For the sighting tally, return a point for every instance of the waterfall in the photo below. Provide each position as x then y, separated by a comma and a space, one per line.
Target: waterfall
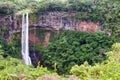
25, 40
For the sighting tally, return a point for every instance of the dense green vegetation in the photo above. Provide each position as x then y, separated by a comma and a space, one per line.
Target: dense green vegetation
72, 48
14, 69
12, 49
107, 70
85, 55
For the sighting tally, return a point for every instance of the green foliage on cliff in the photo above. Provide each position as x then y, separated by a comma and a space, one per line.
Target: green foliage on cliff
107, 70
72, 5
72, 48
11, 48
6, 8
106, 12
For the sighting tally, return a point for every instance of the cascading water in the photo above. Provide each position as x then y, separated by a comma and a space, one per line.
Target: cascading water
25, 40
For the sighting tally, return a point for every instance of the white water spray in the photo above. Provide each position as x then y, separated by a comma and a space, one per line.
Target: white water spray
25, 40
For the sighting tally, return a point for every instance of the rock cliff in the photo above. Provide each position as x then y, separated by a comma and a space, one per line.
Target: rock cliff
47, 20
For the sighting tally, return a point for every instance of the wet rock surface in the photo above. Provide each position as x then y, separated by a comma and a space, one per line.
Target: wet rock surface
35, 58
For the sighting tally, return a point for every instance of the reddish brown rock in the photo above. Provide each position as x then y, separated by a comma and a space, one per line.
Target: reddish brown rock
33, 39
87, 26
47, 38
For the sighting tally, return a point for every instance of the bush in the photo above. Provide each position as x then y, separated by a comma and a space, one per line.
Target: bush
7, 8
12, 49
108, 70
72, 48
14, 69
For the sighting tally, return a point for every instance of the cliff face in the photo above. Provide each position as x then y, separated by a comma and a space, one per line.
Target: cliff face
52, 20
56, 20
65, 20
34, 39
10, 21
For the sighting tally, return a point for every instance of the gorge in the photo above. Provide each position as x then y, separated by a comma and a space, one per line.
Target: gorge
50, 22
59, 40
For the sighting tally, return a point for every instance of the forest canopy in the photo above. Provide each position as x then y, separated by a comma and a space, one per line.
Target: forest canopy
62, 5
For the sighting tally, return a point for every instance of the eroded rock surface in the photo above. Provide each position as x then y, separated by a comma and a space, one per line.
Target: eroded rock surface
49, 21
55, 20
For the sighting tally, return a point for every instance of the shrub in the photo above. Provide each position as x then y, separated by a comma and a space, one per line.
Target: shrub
72, 48
14, 69
13, 48
7, 8
108, 70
